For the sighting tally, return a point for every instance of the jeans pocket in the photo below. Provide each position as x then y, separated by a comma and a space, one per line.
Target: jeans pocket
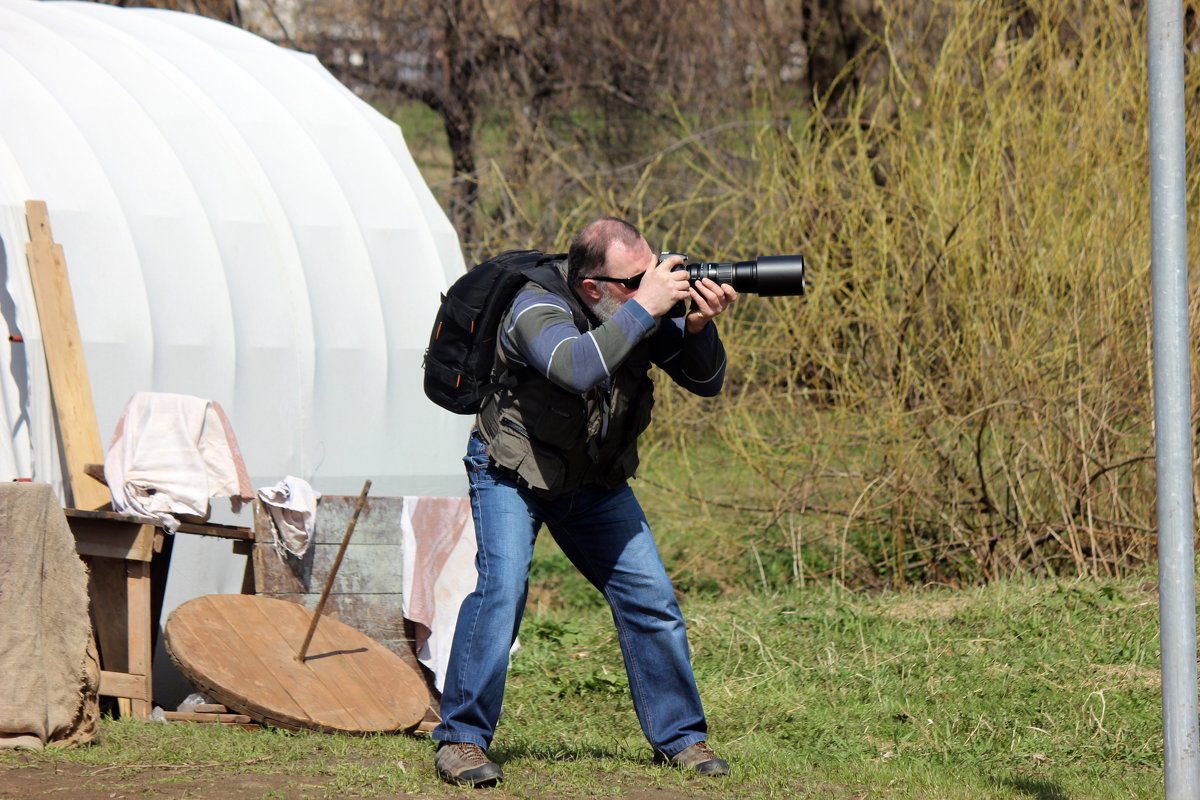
477, 458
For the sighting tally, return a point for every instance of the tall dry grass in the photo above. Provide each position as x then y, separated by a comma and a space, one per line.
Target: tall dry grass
965, 393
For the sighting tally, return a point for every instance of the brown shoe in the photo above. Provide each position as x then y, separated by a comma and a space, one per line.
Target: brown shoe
466, 765
699, 758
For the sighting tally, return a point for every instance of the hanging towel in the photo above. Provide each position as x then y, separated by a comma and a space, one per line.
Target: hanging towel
439, 573
170, 454
292, 505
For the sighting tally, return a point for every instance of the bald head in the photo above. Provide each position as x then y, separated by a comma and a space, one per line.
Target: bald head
589, 248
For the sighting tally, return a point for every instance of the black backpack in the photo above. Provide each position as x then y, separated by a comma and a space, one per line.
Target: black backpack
462, 346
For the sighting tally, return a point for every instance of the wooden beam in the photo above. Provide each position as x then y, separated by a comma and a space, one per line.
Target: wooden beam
121, 540
122, 684
199, 528
69, 385
195, 716
137, 581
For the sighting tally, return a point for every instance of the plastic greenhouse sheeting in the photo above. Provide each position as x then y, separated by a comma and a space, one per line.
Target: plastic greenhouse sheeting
237, 226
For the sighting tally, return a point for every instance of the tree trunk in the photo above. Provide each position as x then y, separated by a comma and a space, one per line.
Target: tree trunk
460, 133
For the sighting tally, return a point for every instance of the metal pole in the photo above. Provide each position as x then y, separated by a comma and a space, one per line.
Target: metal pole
1172, 400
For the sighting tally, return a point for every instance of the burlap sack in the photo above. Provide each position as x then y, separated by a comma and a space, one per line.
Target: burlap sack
49, 673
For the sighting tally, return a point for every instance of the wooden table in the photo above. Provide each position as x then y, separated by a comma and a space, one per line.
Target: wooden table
128, 556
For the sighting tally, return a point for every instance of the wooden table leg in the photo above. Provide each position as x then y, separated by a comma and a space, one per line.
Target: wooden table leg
137, 584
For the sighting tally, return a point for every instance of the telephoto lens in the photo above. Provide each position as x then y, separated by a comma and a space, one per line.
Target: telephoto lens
769, 276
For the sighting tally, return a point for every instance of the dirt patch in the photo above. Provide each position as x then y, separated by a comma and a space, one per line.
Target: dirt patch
87, 782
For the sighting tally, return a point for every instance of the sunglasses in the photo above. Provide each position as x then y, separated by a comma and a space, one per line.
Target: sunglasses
631, 283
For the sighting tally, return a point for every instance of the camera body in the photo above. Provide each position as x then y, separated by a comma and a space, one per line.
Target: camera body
769, 276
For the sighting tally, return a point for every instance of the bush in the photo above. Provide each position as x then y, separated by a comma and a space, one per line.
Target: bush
965, 394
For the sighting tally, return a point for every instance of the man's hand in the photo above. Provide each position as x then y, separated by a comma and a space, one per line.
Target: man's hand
711, 299
661, 288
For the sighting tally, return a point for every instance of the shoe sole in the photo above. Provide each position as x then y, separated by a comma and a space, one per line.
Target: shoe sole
479, 784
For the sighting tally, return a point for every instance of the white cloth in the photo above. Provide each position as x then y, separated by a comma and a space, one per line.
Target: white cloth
439, 573
170, 454
292, 504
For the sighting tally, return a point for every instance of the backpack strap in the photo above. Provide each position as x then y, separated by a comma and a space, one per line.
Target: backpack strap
547, 275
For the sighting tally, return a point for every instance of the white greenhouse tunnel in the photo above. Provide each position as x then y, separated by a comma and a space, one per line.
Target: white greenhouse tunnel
237, 226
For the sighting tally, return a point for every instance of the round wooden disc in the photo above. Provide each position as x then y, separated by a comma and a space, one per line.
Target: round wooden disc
241, 650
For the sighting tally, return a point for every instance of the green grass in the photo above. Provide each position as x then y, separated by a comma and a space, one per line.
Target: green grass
1025, 689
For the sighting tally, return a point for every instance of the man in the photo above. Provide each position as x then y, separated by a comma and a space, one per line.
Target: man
558, 448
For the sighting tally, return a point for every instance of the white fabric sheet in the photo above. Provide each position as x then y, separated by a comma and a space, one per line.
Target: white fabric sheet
170, 454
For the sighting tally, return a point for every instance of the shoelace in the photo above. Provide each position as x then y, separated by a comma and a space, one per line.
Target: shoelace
471, 753
705, 749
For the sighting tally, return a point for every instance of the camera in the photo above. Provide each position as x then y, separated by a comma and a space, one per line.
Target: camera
769, 276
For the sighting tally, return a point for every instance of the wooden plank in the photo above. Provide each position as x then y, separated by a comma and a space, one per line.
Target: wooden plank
122, 684
210, 708
219, 531
274, 575
379, 522
196, 716
137, 581
366, 569
107, 588
105, 539
114, 516
200, 528
69, 384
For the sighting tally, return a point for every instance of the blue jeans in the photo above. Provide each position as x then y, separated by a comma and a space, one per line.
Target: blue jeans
607, 538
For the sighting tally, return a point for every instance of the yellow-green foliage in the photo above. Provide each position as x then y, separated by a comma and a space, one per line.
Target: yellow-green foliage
965, 393
971, 369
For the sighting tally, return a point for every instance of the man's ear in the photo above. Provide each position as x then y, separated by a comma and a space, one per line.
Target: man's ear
589, 290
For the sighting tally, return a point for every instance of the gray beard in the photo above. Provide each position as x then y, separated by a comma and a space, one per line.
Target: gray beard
607, 306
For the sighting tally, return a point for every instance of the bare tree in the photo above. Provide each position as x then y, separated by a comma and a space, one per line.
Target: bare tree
604, 79
225, 10
443, 53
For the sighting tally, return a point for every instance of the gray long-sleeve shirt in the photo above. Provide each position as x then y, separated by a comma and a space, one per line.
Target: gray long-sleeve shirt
539, 332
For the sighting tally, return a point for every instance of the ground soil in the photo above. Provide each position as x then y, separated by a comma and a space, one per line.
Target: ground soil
24, 781
79, 782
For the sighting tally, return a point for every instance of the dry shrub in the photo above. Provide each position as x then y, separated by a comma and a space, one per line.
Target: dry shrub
965, 394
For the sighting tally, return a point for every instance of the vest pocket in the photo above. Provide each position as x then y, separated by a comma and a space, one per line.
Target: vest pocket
535, 467
510, 446
559, 427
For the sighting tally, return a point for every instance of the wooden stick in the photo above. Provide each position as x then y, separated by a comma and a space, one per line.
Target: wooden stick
337, 562
196, 716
